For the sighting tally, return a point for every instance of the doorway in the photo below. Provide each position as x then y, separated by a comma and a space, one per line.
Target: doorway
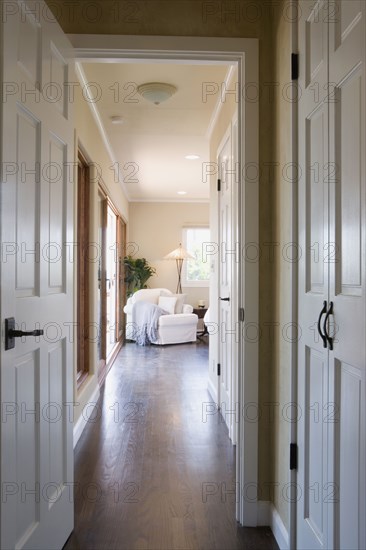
89, 49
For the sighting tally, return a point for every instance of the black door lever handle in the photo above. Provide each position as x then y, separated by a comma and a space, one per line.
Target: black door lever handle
21, 333
11, 333
225, 299
322, 336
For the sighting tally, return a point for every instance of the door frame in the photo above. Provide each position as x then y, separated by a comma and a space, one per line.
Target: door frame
294, 271
244, 52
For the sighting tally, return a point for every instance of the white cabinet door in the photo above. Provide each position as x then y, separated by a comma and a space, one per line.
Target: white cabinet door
36, 279
331, 379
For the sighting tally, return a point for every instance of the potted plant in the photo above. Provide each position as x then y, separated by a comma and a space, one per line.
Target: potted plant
137, 272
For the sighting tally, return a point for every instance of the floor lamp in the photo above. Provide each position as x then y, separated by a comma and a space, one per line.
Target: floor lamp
179, 255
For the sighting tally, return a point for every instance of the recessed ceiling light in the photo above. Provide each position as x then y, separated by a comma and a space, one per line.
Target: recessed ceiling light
192, 157
181, 192
117, 119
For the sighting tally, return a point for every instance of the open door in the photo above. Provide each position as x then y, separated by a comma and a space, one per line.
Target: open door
111, 286
121, 297
226, 290
37, 186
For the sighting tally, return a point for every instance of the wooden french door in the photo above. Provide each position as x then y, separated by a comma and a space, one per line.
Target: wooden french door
121, 295
83, 266
111, 285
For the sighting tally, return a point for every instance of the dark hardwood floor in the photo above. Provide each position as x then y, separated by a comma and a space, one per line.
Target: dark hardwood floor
150, 474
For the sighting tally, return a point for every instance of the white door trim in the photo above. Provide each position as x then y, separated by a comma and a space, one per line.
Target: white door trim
294, 281
243, 51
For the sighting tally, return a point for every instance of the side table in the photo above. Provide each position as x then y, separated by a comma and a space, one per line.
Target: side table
201, 312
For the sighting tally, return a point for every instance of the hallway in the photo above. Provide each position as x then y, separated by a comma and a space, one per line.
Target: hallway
149, 472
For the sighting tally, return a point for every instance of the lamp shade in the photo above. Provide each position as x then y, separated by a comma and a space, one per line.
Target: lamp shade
179, 253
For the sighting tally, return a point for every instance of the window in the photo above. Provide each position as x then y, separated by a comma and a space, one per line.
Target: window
196, 272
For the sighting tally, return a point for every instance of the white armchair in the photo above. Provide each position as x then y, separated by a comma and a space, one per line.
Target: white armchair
177, 327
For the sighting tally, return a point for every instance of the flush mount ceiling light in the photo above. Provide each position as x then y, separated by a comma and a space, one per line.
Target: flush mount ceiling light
181, 192
156, 92
192, 157
117, 119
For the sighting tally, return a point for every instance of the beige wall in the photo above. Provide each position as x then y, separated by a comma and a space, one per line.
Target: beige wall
90, 139
280, 380
250, 20
155, 229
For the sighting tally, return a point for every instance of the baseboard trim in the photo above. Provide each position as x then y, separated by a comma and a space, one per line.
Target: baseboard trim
83, 418
264, 513
268, 515
212, 390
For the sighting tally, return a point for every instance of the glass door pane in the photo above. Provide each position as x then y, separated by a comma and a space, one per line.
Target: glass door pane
111, 280
102, 222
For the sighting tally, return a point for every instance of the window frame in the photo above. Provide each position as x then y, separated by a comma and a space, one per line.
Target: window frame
185, 282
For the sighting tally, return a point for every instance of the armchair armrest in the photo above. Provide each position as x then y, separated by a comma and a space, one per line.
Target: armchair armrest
187, 308
128, 307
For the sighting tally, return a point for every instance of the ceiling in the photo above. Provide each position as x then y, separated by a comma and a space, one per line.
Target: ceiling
151, 143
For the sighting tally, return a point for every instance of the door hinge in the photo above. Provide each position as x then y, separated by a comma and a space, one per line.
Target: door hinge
219, 185
218, 369
241, 314
294, 66
293, 456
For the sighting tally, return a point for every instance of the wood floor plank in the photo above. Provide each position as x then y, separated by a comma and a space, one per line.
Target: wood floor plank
143, 464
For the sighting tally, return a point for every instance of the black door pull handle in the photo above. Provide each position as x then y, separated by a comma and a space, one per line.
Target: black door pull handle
328, 338
322, 336
225, 299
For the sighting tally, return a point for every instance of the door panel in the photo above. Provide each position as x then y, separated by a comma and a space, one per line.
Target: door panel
28, 151
315, 440
36, 283
315, 40
54, 194
348, 439
348, 190
315, 199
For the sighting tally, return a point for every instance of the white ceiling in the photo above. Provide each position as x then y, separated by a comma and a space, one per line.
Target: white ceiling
156, 138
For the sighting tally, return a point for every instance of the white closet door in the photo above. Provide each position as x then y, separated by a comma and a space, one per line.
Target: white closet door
347, 361
331, 380
313, 460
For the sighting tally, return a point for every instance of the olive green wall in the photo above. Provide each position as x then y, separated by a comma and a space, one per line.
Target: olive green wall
248, 19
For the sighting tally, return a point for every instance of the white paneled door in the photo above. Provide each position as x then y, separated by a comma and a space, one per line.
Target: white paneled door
36, 279
332, 360
226, 260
